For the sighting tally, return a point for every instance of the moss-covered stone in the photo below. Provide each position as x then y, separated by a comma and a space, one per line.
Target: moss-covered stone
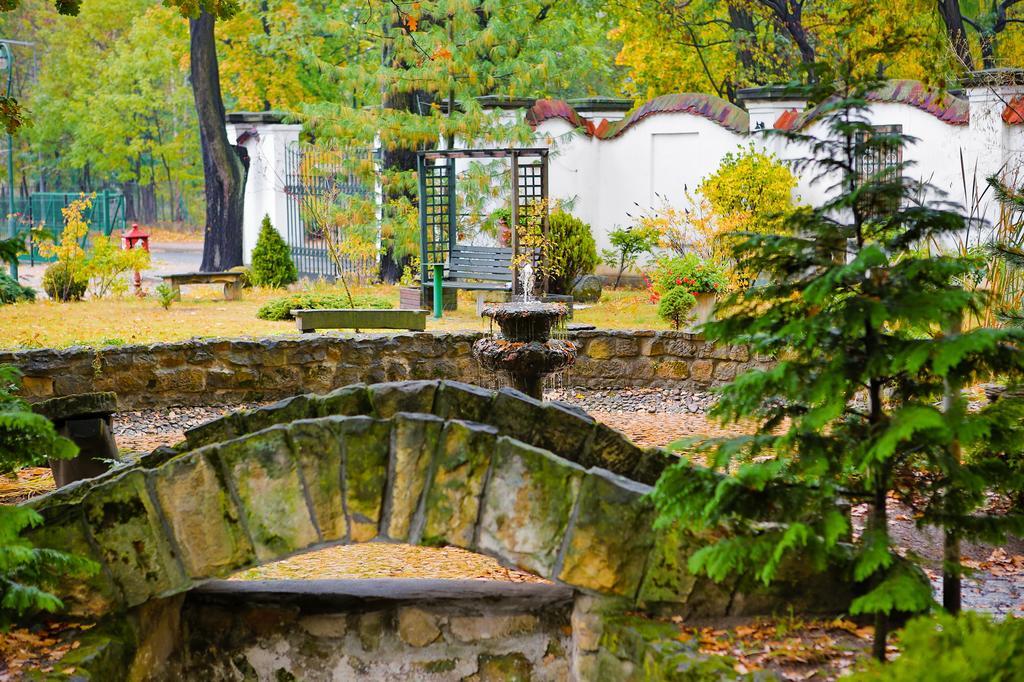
402, 396
610, 537
348, 401
201, 515
456, 400
265, 476
453, 499
215, 431
636, 649
414, 441
317, 445
367, 444
564, 431
125, 525
527, 505
667, 578
504, 668
612, 450
651, 464
63, 528
281, 412
517, 415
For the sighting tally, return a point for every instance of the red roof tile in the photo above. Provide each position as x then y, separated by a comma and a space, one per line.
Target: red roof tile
1013, 114
787, 120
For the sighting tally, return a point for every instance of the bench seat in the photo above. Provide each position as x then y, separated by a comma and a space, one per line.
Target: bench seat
232, 282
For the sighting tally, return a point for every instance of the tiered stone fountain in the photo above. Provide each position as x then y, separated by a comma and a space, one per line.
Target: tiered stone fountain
524, 349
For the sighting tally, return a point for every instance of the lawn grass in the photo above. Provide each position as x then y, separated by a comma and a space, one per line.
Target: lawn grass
202, 313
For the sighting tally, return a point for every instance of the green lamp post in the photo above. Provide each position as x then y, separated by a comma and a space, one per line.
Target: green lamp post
7, 63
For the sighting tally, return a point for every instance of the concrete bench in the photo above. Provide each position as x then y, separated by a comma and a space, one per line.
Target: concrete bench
309, 320
232, 282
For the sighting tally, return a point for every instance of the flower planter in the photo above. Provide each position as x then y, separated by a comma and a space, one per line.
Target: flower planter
702, 312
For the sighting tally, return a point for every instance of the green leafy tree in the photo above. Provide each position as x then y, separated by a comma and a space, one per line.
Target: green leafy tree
630, 244
272, 264
28, 439
571, 251
864, 356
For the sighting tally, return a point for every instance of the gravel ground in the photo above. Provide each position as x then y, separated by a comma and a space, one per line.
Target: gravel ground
649, 400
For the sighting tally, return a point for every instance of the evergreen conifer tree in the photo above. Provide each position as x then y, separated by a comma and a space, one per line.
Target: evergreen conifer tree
272, 264
857, 319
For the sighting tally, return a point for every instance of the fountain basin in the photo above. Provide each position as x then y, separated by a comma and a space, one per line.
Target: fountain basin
525, 362
529, 321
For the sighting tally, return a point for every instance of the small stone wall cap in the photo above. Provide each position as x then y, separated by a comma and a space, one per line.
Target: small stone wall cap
79, 405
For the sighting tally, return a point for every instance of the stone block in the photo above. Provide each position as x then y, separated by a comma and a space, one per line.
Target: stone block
367, 444
513, 667
348, 400
608, 346
612, 450
126, 526
181, 380
215, 431
413, 443
317, 446
456, 400
527, 506
453, 498
37, 387
702, 371
265, 475
469, 629
665, 345
416, 627
281, 412
516, 415
564, 431
63, 528
327, 625
610, 536
672, 369
667, 579
402, 396
725, 371
651, 464
201, 515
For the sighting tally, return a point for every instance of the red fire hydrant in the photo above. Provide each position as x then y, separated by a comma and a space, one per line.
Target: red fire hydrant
131, 239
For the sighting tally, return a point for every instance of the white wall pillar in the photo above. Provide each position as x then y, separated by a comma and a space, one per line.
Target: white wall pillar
267, 141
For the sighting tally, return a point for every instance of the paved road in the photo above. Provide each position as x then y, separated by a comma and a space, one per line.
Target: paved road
167, 258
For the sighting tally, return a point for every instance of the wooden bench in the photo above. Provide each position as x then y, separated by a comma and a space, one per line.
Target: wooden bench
232, 282
482, 269
309, 320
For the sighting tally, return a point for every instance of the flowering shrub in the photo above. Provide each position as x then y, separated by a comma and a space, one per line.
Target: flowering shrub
689, 273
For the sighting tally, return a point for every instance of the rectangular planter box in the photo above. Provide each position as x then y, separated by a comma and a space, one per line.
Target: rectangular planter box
416, 298
311, 320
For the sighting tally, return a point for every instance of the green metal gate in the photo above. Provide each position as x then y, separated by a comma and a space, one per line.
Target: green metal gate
44, 209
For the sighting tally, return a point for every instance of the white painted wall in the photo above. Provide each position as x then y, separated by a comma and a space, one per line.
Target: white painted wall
609, 182
267, 144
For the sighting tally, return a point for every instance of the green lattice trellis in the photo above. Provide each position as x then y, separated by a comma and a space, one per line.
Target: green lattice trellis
438, 184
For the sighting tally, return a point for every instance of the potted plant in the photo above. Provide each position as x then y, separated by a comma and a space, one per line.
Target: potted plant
701, 278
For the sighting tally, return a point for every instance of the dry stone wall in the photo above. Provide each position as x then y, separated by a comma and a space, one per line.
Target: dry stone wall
231, 371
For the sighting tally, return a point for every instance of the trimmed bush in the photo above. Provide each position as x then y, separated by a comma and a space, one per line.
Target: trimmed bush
280, 308
12, 292
675, 306
272, 264
62, 284
572, 251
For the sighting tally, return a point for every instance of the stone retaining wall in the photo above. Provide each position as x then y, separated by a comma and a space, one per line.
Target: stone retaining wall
228, 371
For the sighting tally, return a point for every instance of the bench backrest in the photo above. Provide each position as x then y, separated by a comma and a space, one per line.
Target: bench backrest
482, 263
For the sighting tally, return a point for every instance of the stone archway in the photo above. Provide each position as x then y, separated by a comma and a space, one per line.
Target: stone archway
184, 516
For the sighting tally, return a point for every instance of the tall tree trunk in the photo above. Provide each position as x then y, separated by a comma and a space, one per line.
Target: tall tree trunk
956, 31
128, 189
951, 583
224, 168
147, 204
